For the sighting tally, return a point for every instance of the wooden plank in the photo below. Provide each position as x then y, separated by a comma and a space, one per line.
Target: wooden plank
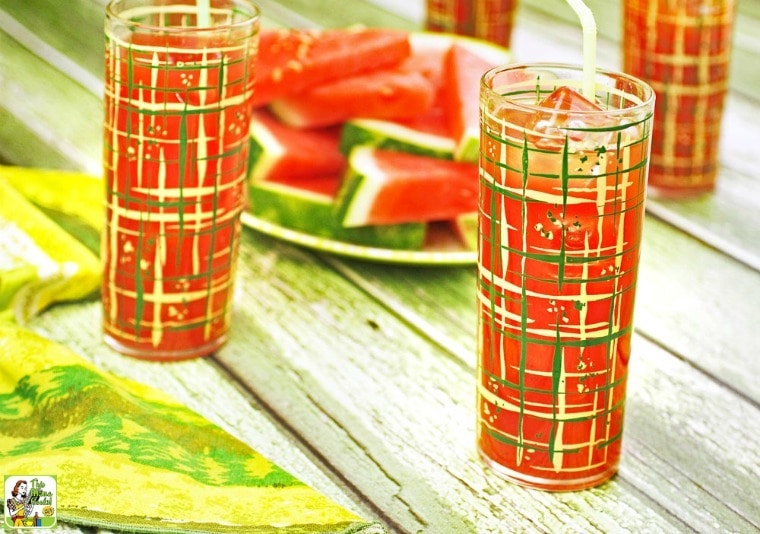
608, 17
685, 289
686, 295
378, 432
371, 432
41, 123
719, 219
46, 119
73, 28
367, 438
374, 431
726, 218
698, 438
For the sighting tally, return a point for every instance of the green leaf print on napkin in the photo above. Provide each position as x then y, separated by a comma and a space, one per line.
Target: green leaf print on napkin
129, 457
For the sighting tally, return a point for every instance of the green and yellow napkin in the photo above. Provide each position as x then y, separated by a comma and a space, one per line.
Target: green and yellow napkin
129, 457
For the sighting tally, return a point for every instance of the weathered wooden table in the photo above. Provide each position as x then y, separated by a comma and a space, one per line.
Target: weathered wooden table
359, 377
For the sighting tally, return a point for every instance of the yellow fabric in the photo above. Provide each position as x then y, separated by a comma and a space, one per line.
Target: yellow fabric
67, 192
40, 263
127, 456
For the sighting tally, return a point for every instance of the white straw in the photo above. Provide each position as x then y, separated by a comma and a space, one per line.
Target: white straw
204, 9
589, 46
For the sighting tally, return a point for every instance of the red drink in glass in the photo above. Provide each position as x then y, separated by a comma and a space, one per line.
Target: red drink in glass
682, 49
491, 20
177, 102
561, 207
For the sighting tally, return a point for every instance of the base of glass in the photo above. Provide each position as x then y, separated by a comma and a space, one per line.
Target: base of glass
548, 484
146, 353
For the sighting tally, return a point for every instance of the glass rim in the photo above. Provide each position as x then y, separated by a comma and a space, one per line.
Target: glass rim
638, 103
153, 7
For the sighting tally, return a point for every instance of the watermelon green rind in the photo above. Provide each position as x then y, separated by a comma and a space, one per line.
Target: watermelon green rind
468, 148
325, 217
313, 213
392, 136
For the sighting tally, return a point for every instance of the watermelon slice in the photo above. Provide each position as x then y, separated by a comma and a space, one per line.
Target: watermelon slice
280, 152
388, 187
430, 133
307, 205
403, 93
429, 51
381, 94
463, 69
293, 60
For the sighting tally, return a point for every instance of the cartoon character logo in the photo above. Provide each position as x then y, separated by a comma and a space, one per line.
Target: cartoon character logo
30, 502
19, 506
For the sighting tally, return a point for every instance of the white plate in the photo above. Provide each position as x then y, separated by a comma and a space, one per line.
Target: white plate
441, 249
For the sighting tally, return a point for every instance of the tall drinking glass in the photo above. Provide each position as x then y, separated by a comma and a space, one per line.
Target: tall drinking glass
491, 20
683, 49
178, 87
561, 207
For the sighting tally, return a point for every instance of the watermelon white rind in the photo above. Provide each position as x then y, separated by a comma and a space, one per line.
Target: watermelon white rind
466, 229
437, 41
392, 136
391, 187
314, 213
264, 151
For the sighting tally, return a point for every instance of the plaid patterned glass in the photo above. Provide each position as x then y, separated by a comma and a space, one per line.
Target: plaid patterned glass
682, 49
177, 115
561, 207
491, 20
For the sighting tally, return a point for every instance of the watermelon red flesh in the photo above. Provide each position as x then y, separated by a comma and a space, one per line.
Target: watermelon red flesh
433, 121
388, 187
462, 72
281, 152
382, 94
428, 54
293, 60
